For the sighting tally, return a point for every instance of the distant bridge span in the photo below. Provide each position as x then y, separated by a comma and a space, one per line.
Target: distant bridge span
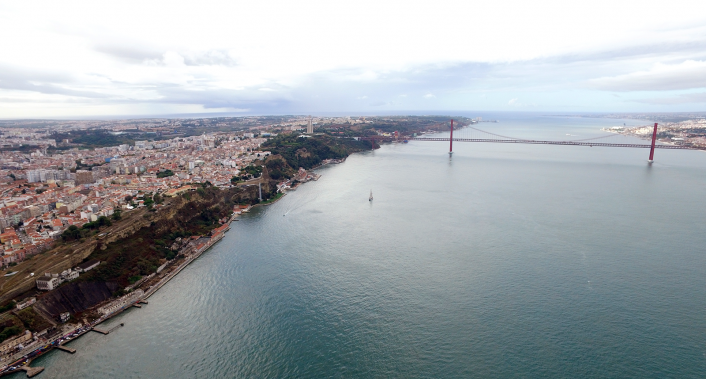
566, 143
585, 142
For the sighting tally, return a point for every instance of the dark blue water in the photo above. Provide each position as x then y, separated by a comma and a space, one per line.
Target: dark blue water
503, 261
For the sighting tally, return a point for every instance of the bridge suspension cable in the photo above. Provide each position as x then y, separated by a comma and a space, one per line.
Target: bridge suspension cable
518, 139
493, 134
579, 142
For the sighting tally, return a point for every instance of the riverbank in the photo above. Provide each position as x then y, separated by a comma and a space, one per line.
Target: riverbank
116, 307
150, 286
273, 200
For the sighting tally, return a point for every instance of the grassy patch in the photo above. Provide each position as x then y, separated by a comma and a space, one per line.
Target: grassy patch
273, 199
10, 326
32, 320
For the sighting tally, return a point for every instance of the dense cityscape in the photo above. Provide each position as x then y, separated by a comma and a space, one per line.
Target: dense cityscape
67, 194
688, 132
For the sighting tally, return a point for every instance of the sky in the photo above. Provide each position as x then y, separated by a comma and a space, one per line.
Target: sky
66, 58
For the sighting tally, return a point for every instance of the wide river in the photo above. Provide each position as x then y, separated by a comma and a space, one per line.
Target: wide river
502, 261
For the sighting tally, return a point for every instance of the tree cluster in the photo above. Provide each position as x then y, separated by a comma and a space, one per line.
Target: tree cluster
73, 232
165, 173
310, 152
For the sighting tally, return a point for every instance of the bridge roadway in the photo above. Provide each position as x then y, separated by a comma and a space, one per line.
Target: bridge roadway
566, 143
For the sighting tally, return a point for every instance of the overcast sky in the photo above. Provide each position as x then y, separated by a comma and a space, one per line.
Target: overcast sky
100, 58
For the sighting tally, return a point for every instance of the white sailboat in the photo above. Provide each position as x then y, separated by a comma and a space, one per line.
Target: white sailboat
371, 196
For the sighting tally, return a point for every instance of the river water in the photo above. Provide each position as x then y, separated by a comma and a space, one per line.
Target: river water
502, 261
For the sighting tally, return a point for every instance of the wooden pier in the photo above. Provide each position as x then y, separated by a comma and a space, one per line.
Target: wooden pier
101, 331
66, 349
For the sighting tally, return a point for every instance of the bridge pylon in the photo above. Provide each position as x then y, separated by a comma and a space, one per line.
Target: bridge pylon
451, 139
652, 148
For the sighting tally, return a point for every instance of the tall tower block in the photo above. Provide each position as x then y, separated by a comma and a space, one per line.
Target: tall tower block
309, 127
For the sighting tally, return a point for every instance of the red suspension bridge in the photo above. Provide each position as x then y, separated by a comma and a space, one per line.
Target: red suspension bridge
590, 142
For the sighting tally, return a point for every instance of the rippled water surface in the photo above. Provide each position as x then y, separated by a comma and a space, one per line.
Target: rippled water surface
504, 261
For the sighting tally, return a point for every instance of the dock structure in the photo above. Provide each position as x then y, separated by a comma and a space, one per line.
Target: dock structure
101, 331
32, 371
66, 349
137, 305
104, 331
143, 302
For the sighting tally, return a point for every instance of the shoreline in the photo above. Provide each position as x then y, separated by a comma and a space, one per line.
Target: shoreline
266, 204
129, 300
627, 133
23, 364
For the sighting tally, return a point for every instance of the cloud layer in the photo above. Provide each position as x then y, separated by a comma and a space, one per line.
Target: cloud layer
82, 58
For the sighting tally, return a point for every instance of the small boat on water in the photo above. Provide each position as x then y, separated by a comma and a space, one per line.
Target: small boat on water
371, 196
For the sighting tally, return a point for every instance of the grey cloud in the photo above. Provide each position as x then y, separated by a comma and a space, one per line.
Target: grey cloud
251, 97
342, 88
210, 58
55, 101
138, 55
689, 98
131, 54
692, 49
421, 78
47, 83
673, 78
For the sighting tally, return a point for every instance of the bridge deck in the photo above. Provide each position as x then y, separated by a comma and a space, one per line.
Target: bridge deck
565, 143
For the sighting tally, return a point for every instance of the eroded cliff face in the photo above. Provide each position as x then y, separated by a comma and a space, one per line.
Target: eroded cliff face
75, 297
175, 214
182, 211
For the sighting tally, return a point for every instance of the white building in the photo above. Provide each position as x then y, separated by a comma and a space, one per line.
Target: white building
47, 283
35, 176
88, 266
26, 303
69, 274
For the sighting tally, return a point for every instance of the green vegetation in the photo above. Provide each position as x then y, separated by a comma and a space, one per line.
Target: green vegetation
81, 166
10, 326
129, 259
165, 173
252, 170
274, 198
8, 306
101, 221
278, 169
94, 138
32, 320
73, 233
10, 332
310, 151
413, 124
